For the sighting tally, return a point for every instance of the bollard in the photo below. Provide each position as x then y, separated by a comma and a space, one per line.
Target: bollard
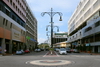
51, 52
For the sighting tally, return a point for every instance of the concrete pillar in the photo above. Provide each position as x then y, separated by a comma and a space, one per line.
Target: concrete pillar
22, 45
10, 47
18, 46
3, 46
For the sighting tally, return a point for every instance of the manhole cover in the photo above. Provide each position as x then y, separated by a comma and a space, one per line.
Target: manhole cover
50, 62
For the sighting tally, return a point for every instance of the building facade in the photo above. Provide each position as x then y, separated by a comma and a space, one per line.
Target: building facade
84, 26
13, 25
31, 29
62, 45
60, 37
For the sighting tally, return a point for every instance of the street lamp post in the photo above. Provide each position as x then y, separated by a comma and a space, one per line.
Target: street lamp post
51, 14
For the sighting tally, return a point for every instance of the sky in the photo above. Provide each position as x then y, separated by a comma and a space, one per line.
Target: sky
66, 7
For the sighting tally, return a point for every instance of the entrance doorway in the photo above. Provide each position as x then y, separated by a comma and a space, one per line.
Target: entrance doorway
7, 48
7, 45
96, 49
0, 42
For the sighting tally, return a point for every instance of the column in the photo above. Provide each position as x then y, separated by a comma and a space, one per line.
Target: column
10, 47
3, 46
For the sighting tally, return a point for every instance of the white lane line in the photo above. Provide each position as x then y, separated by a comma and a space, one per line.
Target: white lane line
57, 54
51, 55
45, 54
27, 62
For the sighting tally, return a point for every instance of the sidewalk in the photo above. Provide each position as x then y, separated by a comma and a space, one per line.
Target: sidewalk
6, 54
95, 53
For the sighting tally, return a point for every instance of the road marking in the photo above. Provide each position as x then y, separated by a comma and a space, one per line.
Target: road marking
51, 55
45, 54
56, 54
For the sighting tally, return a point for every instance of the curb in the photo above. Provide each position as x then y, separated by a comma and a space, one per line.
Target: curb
6, 54
94, 54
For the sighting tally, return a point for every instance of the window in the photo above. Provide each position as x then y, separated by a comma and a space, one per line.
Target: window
97, 23
21, 31
16, 8
87, 29
18, 21
0, 7
13, 17
11, 25
6, 22
3, 21
20, 4
14, 5
99, 13
18, 1
21, 23
20, 12
8, 0
7, 11
73, 36
11, 2
80, 33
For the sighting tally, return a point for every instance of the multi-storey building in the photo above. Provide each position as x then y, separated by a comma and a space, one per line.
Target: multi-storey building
84, 25
31, 29
60, 40
13, 25
60, 37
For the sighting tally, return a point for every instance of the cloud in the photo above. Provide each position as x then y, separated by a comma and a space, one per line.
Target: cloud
66, 7
41, 40
62, 32
59, 24
44, 5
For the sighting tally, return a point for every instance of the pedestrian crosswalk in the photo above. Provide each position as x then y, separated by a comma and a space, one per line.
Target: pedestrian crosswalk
51, 54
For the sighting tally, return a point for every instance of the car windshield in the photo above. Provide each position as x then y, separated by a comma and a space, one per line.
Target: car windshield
62, 50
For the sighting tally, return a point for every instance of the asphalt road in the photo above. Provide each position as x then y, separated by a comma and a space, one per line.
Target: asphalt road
76, 59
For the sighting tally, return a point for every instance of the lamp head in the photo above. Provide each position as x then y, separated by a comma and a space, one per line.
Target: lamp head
57, 30
46, 29
60, 18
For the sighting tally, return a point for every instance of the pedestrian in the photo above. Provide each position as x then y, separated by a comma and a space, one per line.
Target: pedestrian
0, 49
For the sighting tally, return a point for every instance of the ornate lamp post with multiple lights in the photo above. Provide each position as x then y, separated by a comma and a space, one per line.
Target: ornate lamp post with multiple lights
51, 14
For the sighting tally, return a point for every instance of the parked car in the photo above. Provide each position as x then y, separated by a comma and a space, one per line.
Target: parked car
19, 52
75, 51
57, 49
68, 50
22, 51
47, 49
37, 50
42, 49
71, 50
62, 51
27, 51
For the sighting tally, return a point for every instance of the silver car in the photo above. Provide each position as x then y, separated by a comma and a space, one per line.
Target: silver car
62, 51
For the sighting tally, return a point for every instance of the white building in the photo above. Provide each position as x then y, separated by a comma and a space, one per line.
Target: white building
84, 25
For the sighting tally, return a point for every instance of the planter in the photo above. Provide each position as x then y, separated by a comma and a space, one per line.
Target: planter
84, 51
88, 51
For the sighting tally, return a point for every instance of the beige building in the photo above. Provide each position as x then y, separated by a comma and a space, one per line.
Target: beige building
14, 26
62, 45
84, 25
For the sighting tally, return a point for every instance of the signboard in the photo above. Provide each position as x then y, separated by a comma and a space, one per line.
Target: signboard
88, 44
16, 35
